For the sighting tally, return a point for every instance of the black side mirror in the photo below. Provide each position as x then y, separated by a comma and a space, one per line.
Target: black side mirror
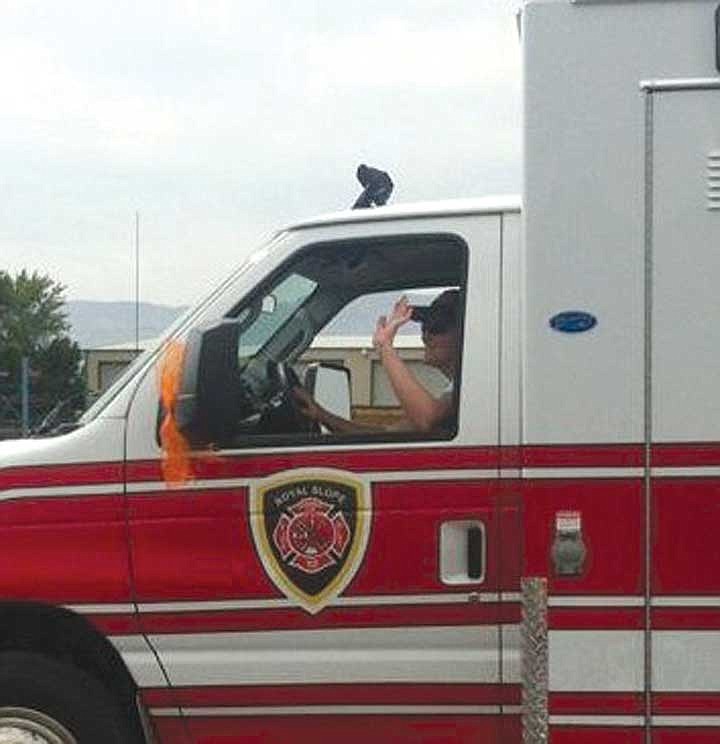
211, 398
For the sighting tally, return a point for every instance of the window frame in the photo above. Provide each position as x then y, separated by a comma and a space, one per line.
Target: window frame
330, 440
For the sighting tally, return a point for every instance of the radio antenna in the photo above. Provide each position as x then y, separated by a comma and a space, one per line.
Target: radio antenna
137, 282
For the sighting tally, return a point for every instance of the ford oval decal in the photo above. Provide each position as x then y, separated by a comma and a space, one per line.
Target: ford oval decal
573, 321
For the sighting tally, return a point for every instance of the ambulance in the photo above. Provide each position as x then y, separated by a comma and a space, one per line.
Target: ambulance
198, 563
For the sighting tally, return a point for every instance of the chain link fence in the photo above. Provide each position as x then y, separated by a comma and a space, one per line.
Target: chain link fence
46, 414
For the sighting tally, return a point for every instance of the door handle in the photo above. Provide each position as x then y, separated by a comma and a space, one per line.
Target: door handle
475, 542
463, 552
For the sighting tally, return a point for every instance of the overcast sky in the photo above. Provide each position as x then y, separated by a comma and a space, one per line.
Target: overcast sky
221, 120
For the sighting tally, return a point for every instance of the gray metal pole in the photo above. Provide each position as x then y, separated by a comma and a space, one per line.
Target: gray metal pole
25, 395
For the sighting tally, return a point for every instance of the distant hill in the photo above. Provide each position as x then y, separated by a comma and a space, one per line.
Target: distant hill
97, 324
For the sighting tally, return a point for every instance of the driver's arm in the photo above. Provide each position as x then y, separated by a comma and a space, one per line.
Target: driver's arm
424, 412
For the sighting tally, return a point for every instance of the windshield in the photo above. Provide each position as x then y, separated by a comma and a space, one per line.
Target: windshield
274, 309
255, 258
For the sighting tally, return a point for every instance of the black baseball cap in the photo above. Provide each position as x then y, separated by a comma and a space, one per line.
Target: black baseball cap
441, 315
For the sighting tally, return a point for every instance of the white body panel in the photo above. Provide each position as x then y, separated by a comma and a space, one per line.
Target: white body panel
583, 203
100, 441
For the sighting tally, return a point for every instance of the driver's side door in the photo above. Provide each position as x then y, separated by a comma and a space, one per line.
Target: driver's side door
317, 590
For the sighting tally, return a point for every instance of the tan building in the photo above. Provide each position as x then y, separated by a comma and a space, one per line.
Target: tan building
105, 364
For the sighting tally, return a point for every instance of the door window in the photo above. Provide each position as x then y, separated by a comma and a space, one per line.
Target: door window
358, 340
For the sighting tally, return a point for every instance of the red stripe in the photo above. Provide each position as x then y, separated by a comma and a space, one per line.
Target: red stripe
596, 618
686, 618
388, 460
596, 456
596, 703
687, 735
426, 458
68, 474
332, 617
342, 694
353, 729
685, 703
686, 455
393, 460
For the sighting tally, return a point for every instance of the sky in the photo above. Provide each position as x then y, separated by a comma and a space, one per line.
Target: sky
221, 121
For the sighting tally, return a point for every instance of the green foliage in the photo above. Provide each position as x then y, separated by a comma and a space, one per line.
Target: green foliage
33, 324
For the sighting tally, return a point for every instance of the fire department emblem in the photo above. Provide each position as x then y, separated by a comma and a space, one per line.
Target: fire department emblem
311, 530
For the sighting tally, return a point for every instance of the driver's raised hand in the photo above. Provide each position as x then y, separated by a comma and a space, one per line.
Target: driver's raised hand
387, 327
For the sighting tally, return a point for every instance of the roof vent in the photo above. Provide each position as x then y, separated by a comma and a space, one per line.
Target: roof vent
713, 180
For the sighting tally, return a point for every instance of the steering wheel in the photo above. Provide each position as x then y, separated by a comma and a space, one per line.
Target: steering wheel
284, 411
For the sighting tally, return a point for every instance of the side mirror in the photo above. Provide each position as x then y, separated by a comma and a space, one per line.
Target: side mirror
211, 398
330, 386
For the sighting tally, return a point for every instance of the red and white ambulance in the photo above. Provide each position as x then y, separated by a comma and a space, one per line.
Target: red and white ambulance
254, 577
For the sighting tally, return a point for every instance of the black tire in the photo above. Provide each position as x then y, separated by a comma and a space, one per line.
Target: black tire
31, 684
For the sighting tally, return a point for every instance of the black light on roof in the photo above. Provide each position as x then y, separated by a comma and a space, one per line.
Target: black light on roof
377, 187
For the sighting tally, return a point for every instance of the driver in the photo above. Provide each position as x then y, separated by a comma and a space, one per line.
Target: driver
422, 411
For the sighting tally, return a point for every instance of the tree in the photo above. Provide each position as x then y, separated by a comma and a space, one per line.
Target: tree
33, 324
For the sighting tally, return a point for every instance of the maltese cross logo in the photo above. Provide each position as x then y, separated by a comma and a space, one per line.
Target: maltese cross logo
310, 537
311, 529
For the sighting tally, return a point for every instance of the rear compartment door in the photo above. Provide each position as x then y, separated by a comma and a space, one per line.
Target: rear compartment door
685, 500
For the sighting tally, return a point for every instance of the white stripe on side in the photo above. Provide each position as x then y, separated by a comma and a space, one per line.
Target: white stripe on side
678, 601
101, 609
596, 601
511, 669
105, 489
428, 654
596, 660
140, 660
381, 476
686, 721
367, 600
210, 484
705, 472
337, 710
613, 661
580, 661
225, 484
686, 661
563, 720
582, 473
398, 599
